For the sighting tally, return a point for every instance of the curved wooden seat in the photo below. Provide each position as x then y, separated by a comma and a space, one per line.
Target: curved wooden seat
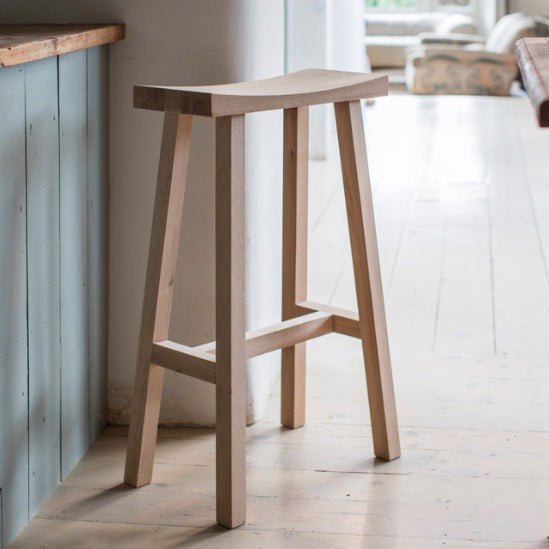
222, 361
307, 87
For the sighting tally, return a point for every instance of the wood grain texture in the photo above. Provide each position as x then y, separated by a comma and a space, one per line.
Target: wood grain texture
533, 60
43, 279
63, 172
230, 422
288, 334
14, 454
185, 360
371, 307
294, 259
157, 300
24, 43
283, 335
345, 322
73, 215
298, 89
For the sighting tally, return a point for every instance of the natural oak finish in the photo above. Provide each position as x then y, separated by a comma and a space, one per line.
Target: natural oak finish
288, 334
297, 89
533, 59
345, 322
157, 300
294, 259
282, 335
369, 290
24, 43
222, 362
199, 362
230, 417
185, 360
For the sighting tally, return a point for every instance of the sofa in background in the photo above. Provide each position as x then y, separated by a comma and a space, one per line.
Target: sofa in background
450, 63
388, 36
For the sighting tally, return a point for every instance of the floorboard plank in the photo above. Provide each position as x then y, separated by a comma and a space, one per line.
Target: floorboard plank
461, 225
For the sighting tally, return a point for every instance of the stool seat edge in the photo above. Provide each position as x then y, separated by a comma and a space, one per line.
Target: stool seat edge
298, 89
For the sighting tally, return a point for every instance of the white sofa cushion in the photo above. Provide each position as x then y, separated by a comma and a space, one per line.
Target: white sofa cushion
508, 30
388, 51
457, 23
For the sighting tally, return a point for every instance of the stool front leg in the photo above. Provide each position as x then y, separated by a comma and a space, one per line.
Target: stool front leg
371, 308
230, 426
157, 300
294, 259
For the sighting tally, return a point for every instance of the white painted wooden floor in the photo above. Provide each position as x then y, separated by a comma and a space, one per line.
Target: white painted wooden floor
462, 200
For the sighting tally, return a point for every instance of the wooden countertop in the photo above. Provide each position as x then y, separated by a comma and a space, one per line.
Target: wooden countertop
533, 60
24, 43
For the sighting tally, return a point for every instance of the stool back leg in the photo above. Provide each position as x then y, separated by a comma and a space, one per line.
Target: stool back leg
230, 426
157, 301
371, 309
294, 259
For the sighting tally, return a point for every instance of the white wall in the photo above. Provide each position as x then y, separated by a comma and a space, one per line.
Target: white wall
324, 34
532, 7
346, 36
307, 47
489, 12
184, 42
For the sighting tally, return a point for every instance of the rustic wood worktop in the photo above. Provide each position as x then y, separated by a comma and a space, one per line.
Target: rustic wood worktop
533, 60
24, 43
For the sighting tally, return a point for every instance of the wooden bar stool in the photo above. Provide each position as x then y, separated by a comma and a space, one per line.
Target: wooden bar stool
223, 361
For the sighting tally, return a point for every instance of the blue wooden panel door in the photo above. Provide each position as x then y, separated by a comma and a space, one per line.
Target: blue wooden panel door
73, 200
53, 275
13, 305
43, 278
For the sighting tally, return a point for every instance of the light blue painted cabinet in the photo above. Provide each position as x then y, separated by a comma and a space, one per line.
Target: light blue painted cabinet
53, 273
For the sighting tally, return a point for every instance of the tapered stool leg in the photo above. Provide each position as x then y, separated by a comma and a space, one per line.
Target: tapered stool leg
157, 301
230, 426
371, 310
294, 259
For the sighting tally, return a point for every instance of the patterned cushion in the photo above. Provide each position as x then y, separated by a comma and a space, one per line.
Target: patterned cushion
459, 72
